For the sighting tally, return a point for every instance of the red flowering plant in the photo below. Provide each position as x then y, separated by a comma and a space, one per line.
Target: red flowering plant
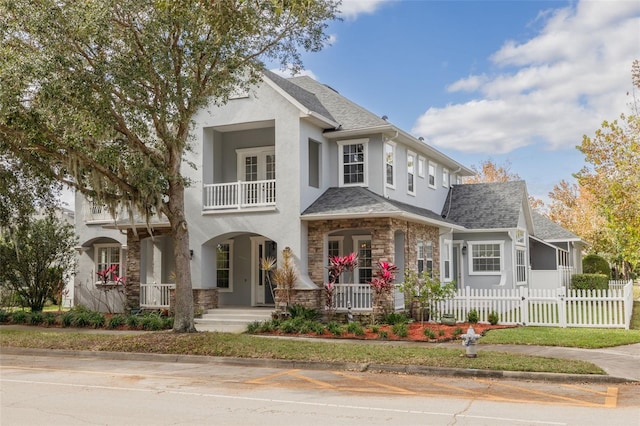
382, 283
337, 266
110, 279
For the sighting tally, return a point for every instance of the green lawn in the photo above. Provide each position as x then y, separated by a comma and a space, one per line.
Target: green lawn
248, 346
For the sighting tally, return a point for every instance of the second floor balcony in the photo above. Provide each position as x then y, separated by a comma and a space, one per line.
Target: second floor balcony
239, 195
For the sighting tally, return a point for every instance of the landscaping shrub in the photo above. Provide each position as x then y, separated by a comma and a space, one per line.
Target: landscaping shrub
35, 318
152, 322
317, 328
383, 334
168, 322
4, 316
457, 332
19, 317
594, 264
133, 321
429, 333
269, 326
116, 321
299, 311
395, 318
590, 282
67, 319
253, 327
472, 316
355, 328
334, 328
493, 318
97, 319
49, 318
82, 318
400, 329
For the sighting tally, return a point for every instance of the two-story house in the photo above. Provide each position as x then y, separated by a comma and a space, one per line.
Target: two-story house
292, 163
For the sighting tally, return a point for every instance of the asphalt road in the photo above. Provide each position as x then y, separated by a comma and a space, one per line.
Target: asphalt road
40, 390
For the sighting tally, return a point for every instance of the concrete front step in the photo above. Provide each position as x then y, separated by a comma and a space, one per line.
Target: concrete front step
237, 318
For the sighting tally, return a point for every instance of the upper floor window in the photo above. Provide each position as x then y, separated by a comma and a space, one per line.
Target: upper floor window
389, 160
432, 175
353, 162
411, 164
445, 178
314, 163
447, 265
486, 258
520, 237
421, 166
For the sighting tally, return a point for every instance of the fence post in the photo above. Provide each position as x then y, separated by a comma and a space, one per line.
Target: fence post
562, 307
524, 305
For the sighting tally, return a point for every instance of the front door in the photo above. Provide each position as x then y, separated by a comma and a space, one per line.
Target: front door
263, 286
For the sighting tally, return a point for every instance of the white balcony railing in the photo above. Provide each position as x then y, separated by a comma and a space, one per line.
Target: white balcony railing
155, 295
98, 213
240, 195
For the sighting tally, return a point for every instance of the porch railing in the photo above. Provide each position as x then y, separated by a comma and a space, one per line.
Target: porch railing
240, 195
154, 295
360, 297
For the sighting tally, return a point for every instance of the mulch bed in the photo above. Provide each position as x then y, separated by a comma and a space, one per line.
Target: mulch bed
415, 332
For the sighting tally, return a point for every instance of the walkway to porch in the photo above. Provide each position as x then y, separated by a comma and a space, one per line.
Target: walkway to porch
231, 319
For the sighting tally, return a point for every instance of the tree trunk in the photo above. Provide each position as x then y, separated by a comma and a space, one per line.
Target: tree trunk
183, 309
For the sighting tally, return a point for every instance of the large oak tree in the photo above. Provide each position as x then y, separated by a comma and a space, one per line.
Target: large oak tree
101, 94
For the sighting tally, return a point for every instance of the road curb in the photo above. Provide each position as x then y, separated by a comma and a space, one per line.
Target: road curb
315, 365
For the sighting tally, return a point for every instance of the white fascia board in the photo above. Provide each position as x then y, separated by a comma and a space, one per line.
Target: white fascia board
396, 215
304, 112
397, 134
487, 230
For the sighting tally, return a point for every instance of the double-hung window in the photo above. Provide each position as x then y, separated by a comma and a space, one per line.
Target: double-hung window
432, 175
334, 248
411, 173
389, 161
486, 257
353, 162
445, 178
364, 270
107, 258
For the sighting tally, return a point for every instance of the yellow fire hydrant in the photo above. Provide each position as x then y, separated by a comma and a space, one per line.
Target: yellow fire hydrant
470, 342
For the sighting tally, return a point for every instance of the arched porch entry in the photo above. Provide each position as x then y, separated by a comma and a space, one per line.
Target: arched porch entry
232, 263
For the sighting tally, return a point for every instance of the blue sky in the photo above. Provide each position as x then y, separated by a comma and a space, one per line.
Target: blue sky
516, 81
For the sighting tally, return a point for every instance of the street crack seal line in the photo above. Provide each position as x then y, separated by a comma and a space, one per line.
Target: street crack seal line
394, 389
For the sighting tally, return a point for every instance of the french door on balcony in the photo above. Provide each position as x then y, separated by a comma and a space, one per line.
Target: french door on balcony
257, 165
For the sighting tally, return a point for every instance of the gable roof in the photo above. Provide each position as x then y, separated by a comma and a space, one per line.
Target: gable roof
486, 205
548, 230
349, 202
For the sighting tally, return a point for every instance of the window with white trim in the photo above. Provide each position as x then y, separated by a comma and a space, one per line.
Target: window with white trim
107, 256
486, 257
421, 166
224, 266
520, 237
411, 174
420, 256
364, 271
521, 266
432, 175
428, 253
389, 160
353, 162
446, 260
334, 248
445, 178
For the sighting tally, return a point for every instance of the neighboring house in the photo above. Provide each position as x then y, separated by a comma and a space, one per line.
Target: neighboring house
292, 163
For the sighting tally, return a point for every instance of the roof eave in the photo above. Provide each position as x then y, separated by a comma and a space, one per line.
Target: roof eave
393, 214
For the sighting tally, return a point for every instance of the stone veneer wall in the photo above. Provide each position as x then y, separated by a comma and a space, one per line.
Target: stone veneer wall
203, 299
382, 242
308, 297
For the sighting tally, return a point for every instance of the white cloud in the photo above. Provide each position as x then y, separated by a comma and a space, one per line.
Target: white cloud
289, 72
553, 89
351, 9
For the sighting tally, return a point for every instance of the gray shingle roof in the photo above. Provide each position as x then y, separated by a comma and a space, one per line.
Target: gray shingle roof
360, 201
348, 114
546, 229
485, 205
306, 98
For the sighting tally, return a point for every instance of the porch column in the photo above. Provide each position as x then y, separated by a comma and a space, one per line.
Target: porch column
132, 287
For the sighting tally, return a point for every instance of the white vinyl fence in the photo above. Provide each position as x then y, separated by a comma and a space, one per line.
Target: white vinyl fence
544, 307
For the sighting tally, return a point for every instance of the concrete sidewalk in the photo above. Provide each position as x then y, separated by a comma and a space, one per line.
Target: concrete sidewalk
621, 363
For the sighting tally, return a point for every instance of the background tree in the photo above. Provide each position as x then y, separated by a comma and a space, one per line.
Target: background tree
612, 175
35, 257
102, 94
488, 171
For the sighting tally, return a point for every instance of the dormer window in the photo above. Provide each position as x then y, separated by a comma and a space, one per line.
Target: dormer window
353, 162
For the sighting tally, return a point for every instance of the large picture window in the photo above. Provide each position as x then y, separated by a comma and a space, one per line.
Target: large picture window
486, 258
353, 162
